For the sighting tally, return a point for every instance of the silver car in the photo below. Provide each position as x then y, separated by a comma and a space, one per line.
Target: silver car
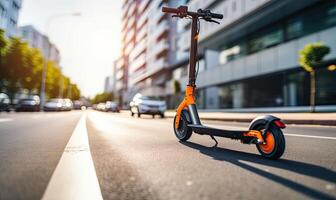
147, 105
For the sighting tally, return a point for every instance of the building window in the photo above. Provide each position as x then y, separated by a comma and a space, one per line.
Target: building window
229, 54
15, 5
294, 28
12, 22
2, 11
225, 95
268, 39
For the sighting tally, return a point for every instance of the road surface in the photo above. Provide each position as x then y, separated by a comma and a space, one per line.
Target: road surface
94, 155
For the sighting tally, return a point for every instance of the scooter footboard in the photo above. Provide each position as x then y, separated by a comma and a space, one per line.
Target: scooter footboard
205, 130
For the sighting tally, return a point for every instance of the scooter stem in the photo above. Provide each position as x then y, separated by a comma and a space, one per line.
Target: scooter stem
193, 51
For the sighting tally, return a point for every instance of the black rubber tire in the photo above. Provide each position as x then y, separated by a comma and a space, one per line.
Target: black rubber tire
153, 116
162, 116
280, 143
132, 113
183, 133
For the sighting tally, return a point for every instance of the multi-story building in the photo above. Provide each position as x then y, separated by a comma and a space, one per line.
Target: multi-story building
9, 14
250, 60
121, 79
147, 48
37, 40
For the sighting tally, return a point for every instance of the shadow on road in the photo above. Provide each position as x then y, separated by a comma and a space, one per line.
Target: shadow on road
235, 157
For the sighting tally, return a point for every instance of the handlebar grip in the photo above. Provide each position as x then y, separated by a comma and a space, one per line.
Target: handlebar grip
216, 16
170, 10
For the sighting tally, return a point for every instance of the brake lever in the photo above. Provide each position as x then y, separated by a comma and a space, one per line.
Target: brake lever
211, 20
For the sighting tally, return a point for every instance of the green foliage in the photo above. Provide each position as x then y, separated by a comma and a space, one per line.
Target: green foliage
75, 92
103, 97
311, 55
15, 64
177, 87
3, 42
309, 59
3, 47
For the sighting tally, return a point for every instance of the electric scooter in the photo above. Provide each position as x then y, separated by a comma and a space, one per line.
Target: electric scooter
264, 131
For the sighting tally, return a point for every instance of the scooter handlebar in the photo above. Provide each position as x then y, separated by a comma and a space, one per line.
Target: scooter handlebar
216, 16
170, 10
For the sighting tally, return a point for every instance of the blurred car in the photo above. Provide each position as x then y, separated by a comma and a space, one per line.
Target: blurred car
78, 105
55, 104
101, 107
94, 106
67, 105
28, 104
111, 106
147, 105
4, 102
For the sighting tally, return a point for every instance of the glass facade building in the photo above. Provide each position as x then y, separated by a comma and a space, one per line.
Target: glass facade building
251, 59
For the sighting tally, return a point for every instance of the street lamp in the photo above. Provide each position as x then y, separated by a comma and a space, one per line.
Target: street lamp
45, 61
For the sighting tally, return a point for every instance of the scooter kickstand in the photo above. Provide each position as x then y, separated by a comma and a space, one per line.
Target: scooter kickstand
212, 137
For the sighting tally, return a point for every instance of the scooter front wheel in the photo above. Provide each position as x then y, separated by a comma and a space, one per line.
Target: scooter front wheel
274, 145
183, 132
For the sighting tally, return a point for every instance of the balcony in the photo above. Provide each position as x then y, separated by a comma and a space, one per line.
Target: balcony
159, 30
137, 63
131, 23
143, 5
139, 48
143, 18
129, 48
120, 74
131, 10
158, 48
141, 33
119, 85
120, 63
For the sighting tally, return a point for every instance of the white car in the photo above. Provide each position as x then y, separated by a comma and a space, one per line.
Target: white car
67, 105
54, 105
147, 105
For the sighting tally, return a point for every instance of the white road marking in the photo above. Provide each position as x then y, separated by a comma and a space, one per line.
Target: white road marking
6, 119
311, 136
75, 176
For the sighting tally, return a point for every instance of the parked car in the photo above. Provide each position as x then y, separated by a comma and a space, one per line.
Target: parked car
67, 105
28, 104
147, 105
78, 105
55, 104
111, 106
101, 107
4, 102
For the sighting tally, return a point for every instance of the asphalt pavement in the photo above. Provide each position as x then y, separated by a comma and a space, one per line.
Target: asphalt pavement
140, 158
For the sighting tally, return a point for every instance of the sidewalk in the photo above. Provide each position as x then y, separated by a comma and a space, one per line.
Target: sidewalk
328, 119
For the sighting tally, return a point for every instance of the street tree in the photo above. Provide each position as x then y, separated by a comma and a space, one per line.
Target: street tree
310, 58
177, 87
15, 67
32, 78
103, 97
3, 47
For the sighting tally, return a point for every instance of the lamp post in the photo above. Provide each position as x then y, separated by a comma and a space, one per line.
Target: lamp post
45, 61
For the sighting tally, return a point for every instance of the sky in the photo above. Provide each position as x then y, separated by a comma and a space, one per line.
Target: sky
88, 44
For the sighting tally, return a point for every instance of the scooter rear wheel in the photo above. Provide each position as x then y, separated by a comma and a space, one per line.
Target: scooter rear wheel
275, 143
183, 132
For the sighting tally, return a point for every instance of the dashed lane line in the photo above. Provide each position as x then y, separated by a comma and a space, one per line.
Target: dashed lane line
75, 176
6, 119
310, 136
